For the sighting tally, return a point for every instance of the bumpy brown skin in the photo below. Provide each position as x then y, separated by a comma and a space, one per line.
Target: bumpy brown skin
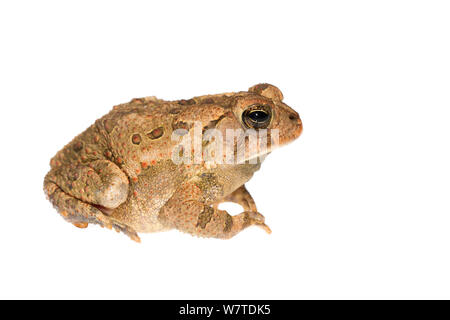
119, 172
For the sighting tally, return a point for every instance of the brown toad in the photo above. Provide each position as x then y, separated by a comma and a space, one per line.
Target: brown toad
139, 169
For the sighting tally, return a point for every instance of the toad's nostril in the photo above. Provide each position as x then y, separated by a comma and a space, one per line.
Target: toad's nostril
292, 117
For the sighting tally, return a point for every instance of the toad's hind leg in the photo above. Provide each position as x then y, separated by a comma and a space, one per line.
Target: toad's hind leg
100, 182
80, 213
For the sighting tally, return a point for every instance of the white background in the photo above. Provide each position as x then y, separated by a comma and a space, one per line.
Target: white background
359, 205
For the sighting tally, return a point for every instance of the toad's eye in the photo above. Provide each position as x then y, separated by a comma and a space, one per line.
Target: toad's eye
257, 117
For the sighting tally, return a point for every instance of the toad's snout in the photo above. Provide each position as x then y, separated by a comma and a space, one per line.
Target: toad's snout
296, 124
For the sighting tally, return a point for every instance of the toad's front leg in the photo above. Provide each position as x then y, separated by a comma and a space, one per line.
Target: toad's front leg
242, 197
188, 211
